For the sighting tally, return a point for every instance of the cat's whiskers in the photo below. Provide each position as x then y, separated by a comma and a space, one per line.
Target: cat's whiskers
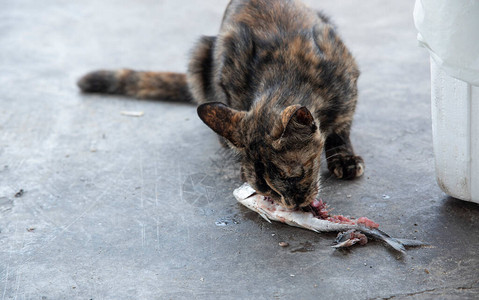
331, 156
327, 179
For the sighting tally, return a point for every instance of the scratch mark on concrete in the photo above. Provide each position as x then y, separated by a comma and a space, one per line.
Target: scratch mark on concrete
158, 232
18, 275
156, 179
440, 289
6, 275
180, 177
95, 203
143, 235
142, 180
187, 227
17, 284
8, 264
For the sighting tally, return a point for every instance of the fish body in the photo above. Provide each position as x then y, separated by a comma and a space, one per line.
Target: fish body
356, 230
271, 211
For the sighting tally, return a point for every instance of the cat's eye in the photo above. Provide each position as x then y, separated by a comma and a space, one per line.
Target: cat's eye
283, 176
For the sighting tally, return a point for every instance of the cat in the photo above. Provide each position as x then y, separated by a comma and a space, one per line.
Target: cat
277, 85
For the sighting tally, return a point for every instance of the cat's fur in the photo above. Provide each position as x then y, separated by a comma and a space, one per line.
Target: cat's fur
277, 83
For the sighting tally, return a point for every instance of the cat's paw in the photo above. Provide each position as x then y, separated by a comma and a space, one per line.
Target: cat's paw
346, 166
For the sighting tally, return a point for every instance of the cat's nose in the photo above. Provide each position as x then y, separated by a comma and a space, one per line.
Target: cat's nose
303, 201
298, 201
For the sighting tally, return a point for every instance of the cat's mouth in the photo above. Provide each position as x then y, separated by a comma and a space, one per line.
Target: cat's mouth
301, 206
277, 197
288, 202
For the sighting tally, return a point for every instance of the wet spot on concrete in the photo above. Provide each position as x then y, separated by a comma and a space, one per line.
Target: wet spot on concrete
226, 221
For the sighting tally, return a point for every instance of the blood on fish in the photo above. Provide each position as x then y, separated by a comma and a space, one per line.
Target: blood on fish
349, 238
366, 222
321, 210
340, 219
363, 240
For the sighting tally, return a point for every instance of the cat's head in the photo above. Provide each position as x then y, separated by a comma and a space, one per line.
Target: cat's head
280, 149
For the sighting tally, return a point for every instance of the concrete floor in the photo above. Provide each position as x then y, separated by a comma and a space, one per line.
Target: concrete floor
116, 207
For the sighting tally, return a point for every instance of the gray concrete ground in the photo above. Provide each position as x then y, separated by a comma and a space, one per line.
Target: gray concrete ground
117, 207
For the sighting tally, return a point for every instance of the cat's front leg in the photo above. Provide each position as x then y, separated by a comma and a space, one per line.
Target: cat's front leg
342, 161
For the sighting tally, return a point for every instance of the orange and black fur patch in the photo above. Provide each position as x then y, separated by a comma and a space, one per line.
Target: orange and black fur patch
276, 83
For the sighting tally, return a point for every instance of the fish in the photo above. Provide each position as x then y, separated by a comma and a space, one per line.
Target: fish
318, 219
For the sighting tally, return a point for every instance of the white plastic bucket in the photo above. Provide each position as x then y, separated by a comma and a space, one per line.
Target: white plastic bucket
455, 130
449, 29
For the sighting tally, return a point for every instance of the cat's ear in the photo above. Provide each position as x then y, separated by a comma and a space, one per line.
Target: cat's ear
297, 123
296, 117
223, 120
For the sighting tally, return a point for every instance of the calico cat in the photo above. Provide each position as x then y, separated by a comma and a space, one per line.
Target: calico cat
277, 85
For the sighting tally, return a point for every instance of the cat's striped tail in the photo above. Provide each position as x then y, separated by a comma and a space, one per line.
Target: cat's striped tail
144, 85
